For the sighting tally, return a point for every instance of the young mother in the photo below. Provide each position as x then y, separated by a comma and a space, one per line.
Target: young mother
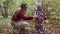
19, 17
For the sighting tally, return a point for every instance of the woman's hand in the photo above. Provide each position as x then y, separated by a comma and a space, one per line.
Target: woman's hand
35, 17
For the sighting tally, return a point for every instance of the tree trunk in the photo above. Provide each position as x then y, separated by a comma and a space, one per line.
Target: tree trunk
5, 9
6, 12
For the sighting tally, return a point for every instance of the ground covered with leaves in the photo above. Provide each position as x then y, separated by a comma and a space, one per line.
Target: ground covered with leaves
53, 27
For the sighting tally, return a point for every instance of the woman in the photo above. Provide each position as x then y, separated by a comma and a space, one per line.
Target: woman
41, 17
19, 17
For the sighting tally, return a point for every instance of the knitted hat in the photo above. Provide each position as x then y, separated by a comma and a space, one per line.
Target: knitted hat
39, 4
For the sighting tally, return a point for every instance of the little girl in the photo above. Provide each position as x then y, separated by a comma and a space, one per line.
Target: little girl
41, 17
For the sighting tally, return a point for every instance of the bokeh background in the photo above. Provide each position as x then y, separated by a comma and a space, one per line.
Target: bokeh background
52, 8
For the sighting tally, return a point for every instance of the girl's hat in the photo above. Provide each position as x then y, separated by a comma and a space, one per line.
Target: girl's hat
39, 4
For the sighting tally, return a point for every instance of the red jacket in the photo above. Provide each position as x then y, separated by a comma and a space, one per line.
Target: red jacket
20, 16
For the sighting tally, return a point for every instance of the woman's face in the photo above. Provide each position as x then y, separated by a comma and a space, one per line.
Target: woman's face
25, 7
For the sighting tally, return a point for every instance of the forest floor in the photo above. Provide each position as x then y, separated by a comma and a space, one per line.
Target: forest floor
53, 27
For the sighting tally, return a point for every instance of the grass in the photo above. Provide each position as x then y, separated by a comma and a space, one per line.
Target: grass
5, 19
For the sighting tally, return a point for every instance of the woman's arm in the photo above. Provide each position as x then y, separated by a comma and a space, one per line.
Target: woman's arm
24, 17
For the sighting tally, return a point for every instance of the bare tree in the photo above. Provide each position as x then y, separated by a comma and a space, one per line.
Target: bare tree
5, 7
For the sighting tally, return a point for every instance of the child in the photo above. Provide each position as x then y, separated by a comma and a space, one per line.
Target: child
41, 17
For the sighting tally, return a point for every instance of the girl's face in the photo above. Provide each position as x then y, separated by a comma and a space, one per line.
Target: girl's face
39, 8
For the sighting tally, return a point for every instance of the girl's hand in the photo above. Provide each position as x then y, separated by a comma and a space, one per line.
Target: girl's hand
46, 21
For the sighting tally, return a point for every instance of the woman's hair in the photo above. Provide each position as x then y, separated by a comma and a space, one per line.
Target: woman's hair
23, 5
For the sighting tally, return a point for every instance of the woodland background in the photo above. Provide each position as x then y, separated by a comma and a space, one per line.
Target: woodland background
52, 8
